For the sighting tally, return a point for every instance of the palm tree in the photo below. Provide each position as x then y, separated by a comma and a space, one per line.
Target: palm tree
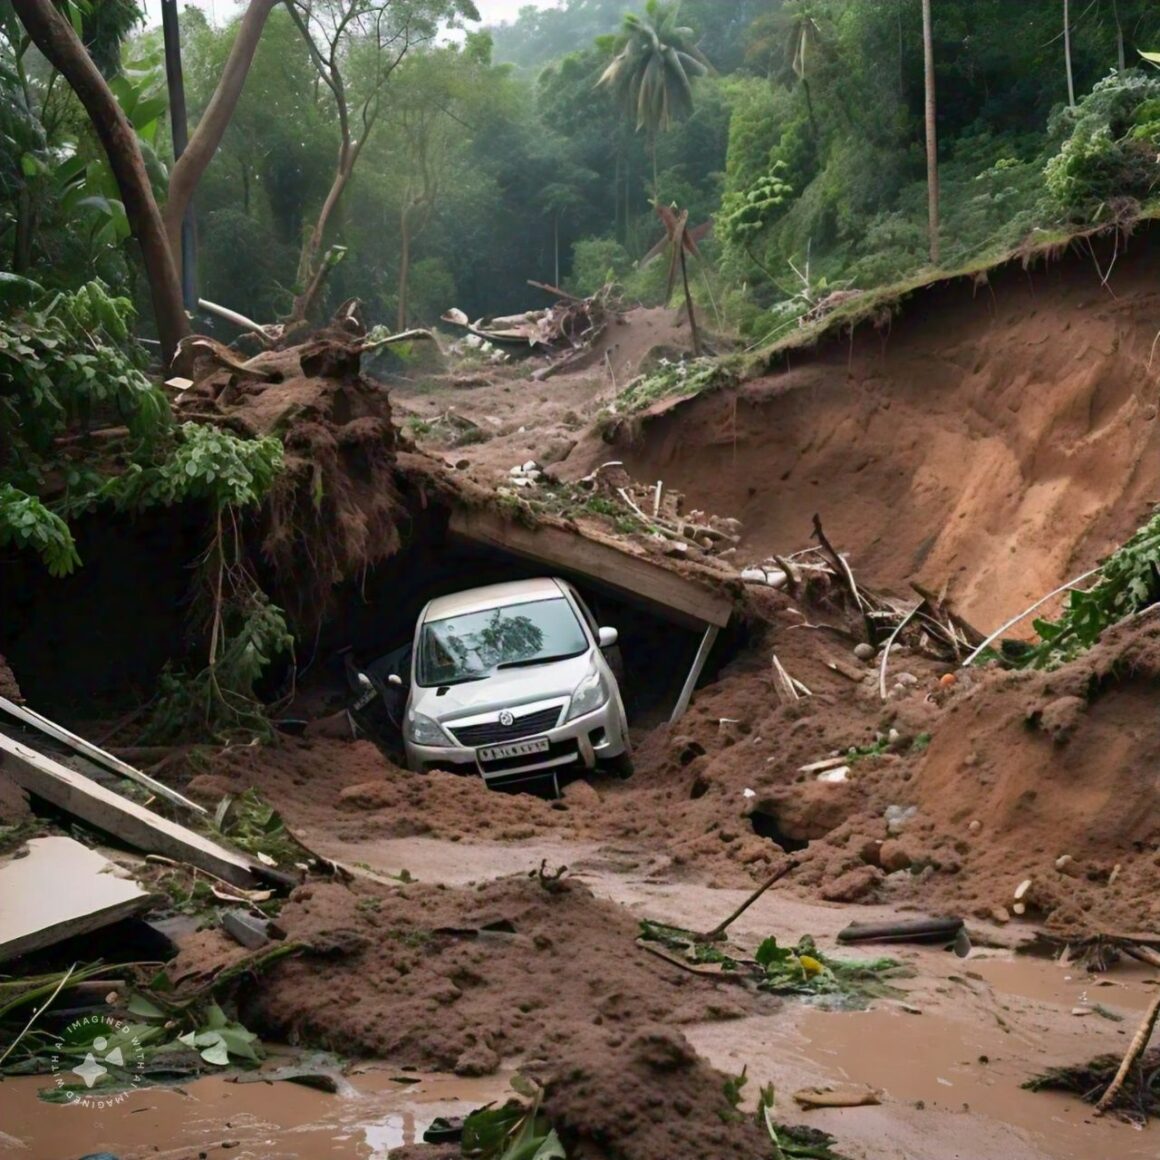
1067, 54
802, 45
931, 131
653, 73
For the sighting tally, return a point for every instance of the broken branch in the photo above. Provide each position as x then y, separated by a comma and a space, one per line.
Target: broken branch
717, 934
1135, 1049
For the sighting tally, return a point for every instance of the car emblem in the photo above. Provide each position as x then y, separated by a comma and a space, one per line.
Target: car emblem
507, 717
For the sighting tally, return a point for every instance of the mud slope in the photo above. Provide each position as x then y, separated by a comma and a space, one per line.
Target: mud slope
1001, 436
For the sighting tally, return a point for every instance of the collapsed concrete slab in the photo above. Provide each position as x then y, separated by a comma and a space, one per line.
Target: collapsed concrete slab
58, 889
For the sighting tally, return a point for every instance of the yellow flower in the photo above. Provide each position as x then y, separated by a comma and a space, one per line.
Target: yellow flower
810, 966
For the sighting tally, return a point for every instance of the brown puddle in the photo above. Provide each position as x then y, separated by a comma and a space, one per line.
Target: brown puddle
950, 1076
242, 1121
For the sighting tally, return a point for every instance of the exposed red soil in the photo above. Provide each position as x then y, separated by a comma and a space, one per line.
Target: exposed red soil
999, 438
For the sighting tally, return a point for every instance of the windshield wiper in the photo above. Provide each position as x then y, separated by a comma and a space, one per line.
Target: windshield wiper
458, 681
540, 660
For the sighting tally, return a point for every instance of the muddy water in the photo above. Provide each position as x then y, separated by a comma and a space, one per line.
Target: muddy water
243, 1121
949, 1059
949, 1062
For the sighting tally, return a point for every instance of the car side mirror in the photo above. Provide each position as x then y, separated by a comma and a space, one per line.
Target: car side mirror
396, 680
607, 637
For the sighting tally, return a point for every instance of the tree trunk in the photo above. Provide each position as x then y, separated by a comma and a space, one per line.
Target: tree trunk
1120, 59
689, 306
307, 273
190, 166
931, 132
404, 266
24, 232
556, 245
810, 111
1067, 54
54, 36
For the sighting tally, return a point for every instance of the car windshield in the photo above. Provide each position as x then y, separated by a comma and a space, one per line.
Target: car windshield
475, 644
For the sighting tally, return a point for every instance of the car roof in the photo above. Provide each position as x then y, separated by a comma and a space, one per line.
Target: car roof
493, 596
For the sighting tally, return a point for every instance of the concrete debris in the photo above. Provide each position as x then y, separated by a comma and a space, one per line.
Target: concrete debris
59, 889
244, 928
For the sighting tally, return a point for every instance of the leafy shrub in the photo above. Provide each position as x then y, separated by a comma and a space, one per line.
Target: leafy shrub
1109, 150
597, 261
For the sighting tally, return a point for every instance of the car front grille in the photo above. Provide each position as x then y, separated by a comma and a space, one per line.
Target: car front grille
493, 733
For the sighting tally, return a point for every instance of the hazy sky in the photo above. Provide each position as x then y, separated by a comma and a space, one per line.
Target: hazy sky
491, 11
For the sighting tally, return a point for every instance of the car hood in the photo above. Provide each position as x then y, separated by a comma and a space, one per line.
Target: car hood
506, 689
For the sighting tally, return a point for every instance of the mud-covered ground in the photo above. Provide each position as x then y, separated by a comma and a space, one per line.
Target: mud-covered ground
993, 467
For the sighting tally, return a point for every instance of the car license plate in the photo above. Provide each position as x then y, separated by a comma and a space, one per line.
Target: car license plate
515, 749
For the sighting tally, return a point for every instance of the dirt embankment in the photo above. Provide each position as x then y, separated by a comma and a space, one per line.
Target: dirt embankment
999, 437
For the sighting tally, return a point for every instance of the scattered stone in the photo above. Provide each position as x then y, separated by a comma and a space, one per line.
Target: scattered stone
897, 817
975, 826
1066, 864
1001, 915
906, 680
894, 856
864, 652
853, 886
243, 928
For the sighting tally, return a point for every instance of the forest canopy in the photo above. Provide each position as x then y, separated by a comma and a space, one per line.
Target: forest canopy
483, 157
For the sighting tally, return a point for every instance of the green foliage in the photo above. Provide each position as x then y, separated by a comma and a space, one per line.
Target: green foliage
251, 824
1127, 583
212, 464
805, 970
1110, 149
26, 523
220, 703
67, 358
745, 215
597, 262
515, 1131
652, 75
673, 380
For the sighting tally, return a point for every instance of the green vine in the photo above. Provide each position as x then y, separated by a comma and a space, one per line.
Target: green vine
1129, 581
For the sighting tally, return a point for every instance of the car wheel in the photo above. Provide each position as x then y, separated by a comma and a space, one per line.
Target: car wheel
621, 766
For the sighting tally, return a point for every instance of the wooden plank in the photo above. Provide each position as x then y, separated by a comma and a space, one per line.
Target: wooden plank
706, 646
137, 826
86, 749
637, 579
58, 890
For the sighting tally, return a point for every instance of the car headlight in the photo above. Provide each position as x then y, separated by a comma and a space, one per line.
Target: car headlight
422, 730
588, 696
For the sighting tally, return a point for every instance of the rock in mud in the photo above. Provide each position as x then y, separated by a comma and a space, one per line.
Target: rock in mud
864, 651
853, 886
894, 856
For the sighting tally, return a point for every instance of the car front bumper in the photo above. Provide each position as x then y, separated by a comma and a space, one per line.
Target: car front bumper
597, 736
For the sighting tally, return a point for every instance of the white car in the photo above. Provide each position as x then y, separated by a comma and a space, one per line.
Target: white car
512, 681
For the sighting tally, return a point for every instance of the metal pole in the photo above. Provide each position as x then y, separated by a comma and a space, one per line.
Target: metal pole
171, 32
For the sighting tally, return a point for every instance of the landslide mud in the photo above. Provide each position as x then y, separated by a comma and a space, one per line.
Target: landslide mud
998, 435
